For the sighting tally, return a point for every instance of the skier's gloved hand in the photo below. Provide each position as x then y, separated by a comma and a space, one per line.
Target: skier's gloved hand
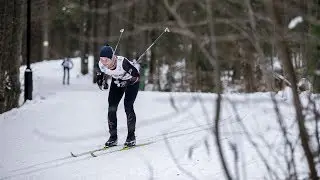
99, 79
121, 83
105, 84
133, 80
136, 64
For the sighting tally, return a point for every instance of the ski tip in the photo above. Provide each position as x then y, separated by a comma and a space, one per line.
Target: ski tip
93, 155
73, 155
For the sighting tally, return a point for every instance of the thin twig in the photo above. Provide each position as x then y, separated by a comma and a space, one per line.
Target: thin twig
285, 136
254, 144
176, 161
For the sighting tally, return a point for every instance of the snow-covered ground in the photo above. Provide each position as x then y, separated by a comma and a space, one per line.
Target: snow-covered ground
37, 138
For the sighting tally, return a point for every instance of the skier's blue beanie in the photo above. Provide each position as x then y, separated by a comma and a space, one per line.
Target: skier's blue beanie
106, 51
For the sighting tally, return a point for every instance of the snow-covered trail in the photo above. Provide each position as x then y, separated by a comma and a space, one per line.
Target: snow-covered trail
36, 139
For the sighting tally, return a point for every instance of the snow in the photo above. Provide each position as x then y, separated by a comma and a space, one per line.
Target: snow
295, 21
37, 138
286, 94
276, 64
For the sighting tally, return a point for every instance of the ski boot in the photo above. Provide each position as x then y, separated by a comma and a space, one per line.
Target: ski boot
130, 141
112, 141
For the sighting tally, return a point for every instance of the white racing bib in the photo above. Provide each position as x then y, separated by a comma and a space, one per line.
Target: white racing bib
118, 72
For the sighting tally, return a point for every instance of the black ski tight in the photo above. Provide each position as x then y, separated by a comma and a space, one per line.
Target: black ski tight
66, 75
115, 95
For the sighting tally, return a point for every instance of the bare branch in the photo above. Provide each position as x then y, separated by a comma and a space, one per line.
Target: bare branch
176, 161
218, 86
285, 56
286, 138
254, 144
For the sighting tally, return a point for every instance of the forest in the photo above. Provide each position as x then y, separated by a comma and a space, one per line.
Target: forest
247, 45
214, 46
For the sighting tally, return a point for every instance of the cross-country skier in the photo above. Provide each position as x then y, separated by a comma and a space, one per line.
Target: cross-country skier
125, 80
67, 64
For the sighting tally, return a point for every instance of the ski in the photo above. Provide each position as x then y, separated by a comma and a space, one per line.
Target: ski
89, 152
131, 147
124, 148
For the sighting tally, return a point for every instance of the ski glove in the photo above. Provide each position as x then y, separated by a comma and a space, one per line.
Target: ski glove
101, 81
105, 85
125, 83
133, 80
121, 83
99, 78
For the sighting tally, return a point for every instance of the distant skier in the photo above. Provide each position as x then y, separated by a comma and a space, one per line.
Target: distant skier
125, 80
67, 64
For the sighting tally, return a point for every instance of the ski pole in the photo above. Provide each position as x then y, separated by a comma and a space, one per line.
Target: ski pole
121, 31
104, 78
165, 30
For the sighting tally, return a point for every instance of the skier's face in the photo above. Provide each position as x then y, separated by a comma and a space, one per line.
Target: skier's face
109, 63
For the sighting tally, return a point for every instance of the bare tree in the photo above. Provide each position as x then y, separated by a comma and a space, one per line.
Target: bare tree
85, 29
45, 48
284, 52
10, 45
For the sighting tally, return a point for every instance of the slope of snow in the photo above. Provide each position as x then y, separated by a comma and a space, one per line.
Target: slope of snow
37, 138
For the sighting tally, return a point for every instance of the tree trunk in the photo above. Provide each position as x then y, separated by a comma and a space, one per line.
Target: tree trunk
10, 43
84, 39
236, 71
130, 48
95, 20
193, 69
45, 44
316, 79
108, 18
284, 52
248, 75
152, 63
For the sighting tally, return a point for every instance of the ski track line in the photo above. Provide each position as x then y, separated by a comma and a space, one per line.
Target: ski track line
151, 140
